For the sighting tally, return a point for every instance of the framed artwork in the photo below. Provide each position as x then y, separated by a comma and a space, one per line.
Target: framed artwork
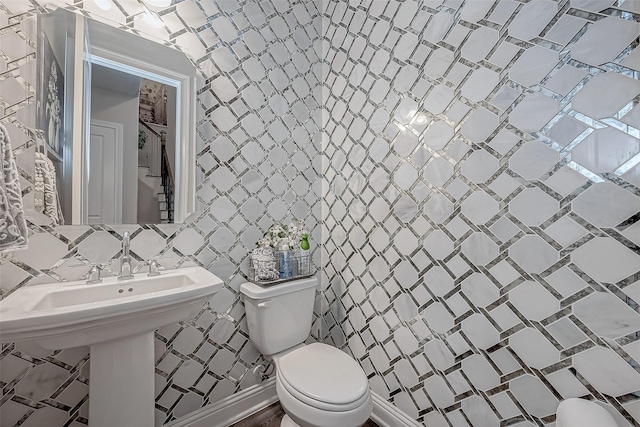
153, 102
50, 102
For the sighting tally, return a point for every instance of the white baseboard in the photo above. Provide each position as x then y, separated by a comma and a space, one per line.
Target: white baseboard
247, 402
387, 415
233, 408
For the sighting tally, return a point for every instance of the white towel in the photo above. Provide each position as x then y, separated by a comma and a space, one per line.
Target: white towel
13, 227
46, 198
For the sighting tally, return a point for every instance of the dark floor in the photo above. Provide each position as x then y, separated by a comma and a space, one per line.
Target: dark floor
271, 416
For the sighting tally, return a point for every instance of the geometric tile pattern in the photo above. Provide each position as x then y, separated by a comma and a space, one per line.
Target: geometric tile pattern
498, 142
477, 271
258, 98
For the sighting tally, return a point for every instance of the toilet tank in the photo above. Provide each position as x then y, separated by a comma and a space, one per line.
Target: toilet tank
279, 316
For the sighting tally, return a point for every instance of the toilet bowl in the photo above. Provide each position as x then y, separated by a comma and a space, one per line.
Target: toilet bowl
317, 384
583, 413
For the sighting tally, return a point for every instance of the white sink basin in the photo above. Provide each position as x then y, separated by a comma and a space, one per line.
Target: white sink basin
72, 314
116, 319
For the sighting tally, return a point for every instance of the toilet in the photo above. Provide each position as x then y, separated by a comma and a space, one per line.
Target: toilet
317, 384
583, 413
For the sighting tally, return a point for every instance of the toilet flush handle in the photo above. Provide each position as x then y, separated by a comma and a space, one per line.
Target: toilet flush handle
264, 304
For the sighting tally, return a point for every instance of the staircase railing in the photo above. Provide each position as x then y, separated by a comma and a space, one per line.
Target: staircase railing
151, 154
167, 181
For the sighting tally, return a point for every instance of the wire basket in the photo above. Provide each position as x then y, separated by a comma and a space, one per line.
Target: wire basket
281, 269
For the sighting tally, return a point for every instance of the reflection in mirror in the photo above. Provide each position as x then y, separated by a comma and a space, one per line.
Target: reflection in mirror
116, 122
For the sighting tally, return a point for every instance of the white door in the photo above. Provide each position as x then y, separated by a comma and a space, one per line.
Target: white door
104, 186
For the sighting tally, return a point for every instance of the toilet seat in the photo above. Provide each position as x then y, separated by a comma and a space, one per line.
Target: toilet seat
323, 377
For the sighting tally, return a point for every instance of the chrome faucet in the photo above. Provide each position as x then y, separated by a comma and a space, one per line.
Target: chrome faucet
125, 261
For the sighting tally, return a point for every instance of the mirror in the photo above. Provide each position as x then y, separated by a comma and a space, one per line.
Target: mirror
115, 114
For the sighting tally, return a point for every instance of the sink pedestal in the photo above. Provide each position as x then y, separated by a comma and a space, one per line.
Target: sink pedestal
121, 383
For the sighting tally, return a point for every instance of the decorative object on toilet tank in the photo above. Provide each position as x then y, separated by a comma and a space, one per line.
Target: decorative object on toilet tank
280, 255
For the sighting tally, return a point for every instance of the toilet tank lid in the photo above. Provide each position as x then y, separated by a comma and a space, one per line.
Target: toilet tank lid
263, 292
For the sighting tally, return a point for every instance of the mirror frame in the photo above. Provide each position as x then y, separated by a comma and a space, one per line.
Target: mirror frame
116, 53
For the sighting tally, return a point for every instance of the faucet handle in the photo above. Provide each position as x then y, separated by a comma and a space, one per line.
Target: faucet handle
94, 272
154, 266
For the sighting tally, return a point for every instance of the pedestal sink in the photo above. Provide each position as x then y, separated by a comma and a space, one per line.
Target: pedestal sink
116, 319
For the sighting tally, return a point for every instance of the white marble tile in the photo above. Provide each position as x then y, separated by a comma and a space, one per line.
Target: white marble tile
592, 5
606, 260
503, 11
480, 372
438, 99
533, 395
533, 112
566, 130
565, 181
532, 18
566, 333
438, 171
475, 11
479, 207
605, 94
503, 55
504, 229
405, 46
505, 405
405, 143
533, 254
632, 60
533, 206
438, 63
504, 185
504, 317
565, 29
439, 354
480, 331
479, 44
439, 391
438, 318
566, 231
438, 245
533, 348
505, 97
479, 249
438, 135
565, 79
504, 141
533, 65
533, 300
604, 40
405, 176
438, 26
606, 371
479, 412
606, 205
533, 159
438, 281
406, 13
605, 149
480, 84
479, 166
438, 208
479, 125
620, 319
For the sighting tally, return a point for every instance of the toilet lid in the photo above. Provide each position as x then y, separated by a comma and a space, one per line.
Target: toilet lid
324, 373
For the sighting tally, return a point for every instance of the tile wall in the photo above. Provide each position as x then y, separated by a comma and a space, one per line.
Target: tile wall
258, 162
481, 183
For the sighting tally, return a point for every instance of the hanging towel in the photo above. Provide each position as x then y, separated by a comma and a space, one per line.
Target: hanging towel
46, 199
13, 227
